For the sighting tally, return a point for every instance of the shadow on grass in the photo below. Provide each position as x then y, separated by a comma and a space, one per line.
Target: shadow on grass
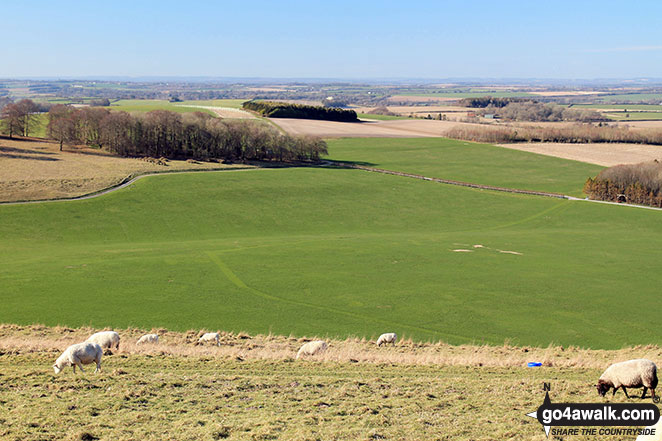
343, 164
11, 150
32, 158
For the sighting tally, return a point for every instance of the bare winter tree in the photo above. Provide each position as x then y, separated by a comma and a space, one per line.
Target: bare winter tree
28, 113
61, 126
12, 119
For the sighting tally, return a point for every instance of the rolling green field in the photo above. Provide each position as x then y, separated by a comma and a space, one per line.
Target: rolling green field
468, 162
336, 253
38, 129
620, 107
632, 97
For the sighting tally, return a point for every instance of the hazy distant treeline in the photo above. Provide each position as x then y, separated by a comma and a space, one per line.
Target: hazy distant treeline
535, 111
276, 109
485, 101
161, 133
576, 133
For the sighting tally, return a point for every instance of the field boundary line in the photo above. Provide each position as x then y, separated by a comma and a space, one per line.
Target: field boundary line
481, 186
450, 181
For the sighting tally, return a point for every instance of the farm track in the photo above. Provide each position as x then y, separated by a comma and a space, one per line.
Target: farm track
481, 186
327, 164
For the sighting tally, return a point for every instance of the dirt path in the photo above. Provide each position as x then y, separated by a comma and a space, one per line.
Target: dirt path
224, 112
483, 187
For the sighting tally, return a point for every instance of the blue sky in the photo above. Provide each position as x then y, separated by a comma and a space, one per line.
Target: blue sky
332, 39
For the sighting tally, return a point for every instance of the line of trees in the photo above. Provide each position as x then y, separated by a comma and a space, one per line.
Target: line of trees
489, 101
161, 133
535, 111
19, 118
632, 183
274, 109
575, 133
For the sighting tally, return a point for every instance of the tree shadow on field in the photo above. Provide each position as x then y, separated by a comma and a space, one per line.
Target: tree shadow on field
4, 149
343, 164
31, 139
33, 158
91, 152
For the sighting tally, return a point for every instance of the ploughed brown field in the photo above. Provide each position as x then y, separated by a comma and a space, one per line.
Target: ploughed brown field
607, 154
421, 110
33, 169
388, 129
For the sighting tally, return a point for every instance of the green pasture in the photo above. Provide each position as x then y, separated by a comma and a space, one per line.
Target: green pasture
335, 252
38, 127
620, 107
466, 161
632, 97
634, 116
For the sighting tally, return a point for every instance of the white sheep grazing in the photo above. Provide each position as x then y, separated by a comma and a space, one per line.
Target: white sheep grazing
78, 355
106, 339
632, 373
210, 336
148, 338
312, 348
390, 337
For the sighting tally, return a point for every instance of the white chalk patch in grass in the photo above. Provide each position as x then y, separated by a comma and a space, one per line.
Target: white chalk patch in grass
463, 251
479, 246
510, 252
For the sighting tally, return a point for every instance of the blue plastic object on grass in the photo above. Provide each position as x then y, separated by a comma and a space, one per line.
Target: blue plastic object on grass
534, 364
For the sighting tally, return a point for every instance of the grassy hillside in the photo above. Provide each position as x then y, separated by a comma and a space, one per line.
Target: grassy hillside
335, 252
467, 161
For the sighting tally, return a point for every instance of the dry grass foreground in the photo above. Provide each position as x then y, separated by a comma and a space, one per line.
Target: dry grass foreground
251, 388
34, 169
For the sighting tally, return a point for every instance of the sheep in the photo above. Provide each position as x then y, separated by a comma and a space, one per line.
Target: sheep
390, 337
210, 336
106, 339
148, 338
632, 373
78, 355
312, 348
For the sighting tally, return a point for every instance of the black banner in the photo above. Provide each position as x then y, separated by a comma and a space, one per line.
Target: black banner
595, 414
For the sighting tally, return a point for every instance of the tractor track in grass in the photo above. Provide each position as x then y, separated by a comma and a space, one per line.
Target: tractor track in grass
478, 186
327, 164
